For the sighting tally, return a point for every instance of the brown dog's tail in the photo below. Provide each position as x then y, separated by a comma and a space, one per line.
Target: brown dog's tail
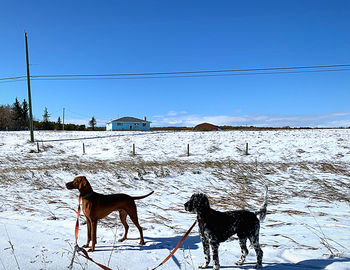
144, 196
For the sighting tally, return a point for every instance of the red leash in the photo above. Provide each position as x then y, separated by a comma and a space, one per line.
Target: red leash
77, 248
177, 246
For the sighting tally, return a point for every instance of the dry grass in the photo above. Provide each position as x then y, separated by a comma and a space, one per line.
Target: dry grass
230, 184
239, 178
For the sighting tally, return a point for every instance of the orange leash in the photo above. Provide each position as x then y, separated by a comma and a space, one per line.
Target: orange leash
77, 248
88, 257
177, 246
77, 223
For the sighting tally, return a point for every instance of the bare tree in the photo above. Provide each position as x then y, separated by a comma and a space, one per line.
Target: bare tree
6, 117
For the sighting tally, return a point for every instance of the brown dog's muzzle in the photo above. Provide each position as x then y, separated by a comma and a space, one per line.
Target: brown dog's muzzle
70, 185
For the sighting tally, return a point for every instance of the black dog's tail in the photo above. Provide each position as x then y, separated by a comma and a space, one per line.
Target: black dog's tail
262, 211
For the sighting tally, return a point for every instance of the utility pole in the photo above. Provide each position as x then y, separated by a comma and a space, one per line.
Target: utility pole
29, 93
63, 119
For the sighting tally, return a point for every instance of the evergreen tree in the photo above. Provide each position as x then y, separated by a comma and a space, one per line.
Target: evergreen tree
92, 123
25, 116
17, 115
46, 119
59, 123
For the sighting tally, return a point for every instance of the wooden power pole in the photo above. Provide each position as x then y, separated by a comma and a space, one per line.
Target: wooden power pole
29, 94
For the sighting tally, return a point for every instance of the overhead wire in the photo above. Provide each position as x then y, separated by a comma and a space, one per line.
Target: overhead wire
13, 78
192, 72
187, 74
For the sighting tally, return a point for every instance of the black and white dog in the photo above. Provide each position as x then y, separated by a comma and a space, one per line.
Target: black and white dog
216, 227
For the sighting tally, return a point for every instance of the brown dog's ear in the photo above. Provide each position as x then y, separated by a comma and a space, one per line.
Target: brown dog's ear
84, 185
82, 182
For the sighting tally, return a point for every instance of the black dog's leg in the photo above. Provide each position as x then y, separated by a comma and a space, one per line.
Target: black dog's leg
206, 250
244, 250
259, 253
215, 248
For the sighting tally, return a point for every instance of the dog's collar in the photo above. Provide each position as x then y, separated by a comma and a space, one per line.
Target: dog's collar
200, 219
87, 195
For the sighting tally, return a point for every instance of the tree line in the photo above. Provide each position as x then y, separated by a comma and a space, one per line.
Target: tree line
16, 117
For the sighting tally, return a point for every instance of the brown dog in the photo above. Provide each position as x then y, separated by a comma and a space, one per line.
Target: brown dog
97, 206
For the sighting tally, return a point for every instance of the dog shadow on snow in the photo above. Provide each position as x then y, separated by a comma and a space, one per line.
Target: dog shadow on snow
154, 243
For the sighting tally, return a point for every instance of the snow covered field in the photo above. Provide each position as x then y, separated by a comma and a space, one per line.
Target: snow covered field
307, 171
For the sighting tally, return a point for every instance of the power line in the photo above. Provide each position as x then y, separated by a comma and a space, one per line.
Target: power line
13, 78
79, 114
182, 74
188, 76
192, 72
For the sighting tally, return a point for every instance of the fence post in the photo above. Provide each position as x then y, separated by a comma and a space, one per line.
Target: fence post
188, 150
84, 148
37, 144
133, 149
246, 149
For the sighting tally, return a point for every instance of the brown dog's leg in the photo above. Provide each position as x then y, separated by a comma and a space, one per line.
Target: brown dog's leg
88, 225
133, 217
93, 234
123, 214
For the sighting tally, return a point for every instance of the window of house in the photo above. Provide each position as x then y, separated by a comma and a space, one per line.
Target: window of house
119, 124
143, 124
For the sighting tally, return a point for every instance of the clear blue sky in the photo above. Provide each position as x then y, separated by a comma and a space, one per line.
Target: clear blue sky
97, 37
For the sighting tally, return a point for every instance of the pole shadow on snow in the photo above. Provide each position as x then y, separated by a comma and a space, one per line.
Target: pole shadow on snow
306, 264
312, 264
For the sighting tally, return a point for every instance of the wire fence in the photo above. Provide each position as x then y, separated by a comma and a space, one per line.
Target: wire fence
117, 135
95, 137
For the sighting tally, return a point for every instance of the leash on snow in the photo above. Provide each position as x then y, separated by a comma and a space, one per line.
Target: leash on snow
177, 246
78, 249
